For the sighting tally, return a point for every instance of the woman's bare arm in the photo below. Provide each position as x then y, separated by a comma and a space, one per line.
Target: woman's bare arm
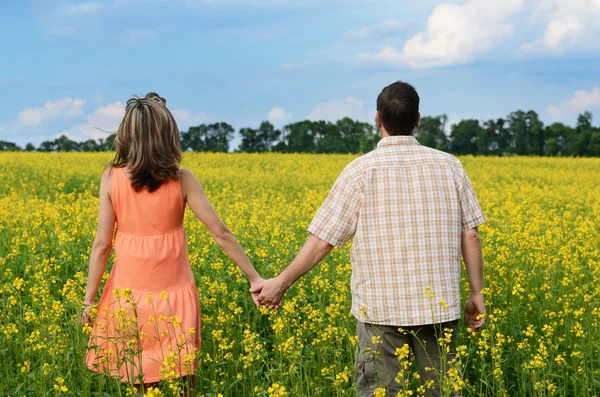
201, 206
102, 245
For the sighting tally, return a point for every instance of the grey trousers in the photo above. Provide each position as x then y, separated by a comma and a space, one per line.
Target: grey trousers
378, 366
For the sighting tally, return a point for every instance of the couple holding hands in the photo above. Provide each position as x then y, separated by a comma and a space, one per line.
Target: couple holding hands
411, 211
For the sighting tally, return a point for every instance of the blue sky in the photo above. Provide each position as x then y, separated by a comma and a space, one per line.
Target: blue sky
69, 66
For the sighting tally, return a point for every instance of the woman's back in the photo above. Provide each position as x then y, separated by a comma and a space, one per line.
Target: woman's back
150, 246
143, 213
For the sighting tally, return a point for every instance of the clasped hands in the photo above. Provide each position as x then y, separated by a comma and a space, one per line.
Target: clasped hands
268, 292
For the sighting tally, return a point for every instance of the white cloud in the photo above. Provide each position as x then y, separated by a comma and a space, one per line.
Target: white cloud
580, 102
108, 117
388, 56
455, 34
99, 124
139, 35
62, 109
570, 24
335, 110
278, 115
105, 120
388, 28
88, 8
185, 119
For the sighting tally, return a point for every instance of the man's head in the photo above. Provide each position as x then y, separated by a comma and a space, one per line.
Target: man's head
398, 109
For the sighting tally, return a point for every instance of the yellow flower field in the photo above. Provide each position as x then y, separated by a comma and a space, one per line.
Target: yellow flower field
541, 248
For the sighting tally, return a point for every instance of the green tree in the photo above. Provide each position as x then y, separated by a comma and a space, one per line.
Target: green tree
193, 139
464, 137
329, 138
89, 146
528, 133
580, 142
297, 137
356, 135
107, 144
497, 139
594, 146
431, 132
207, 138
29, 147
368, 142
557, 137
344, 136
260, 140
64, 144
47, 146
9, 147
218, 137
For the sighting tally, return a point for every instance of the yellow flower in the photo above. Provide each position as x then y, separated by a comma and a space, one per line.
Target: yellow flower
277, 390
153, 392
60, 386
428, 293
25, 367
380, 392
87, 329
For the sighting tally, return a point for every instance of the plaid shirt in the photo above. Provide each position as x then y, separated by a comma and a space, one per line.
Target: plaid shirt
406, 206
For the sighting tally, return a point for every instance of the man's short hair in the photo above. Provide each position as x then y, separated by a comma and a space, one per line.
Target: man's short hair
398, 108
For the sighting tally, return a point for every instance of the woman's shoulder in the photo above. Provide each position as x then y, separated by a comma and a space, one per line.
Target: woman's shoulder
185, 171
186, 174
188, 181
107, 177
109, 172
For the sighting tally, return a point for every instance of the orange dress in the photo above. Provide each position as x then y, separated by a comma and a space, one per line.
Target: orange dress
147, 323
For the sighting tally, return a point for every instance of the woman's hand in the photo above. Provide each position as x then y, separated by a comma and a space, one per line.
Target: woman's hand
256, 286
85, 315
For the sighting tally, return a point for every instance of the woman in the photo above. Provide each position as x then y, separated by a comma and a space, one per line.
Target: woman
146, 326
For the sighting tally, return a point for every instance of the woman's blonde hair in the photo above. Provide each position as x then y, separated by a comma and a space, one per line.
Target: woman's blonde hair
148, 143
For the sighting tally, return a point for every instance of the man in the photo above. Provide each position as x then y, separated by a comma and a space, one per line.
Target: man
410, 209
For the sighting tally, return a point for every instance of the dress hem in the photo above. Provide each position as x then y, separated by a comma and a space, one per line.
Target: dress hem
153, 379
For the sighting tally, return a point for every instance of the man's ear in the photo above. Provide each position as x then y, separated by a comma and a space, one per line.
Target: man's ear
378, 121
418, 119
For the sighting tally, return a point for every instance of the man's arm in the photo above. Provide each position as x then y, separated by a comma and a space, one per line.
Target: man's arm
473, 258
313, 252
332, 226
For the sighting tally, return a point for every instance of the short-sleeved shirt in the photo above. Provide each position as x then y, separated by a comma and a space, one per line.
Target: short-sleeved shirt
406, 206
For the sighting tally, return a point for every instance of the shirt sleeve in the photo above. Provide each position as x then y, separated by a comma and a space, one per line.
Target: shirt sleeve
471, 213
336, 220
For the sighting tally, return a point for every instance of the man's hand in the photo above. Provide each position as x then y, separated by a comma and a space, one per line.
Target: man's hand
272, 291
475, 312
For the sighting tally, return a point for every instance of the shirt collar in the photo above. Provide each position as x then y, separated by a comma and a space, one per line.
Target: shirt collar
398, 140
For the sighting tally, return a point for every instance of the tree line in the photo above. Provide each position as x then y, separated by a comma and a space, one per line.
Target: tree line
520, 133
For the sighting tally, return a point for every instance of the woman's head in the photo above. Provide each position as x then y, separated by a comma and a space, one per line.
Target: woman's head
148, 142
